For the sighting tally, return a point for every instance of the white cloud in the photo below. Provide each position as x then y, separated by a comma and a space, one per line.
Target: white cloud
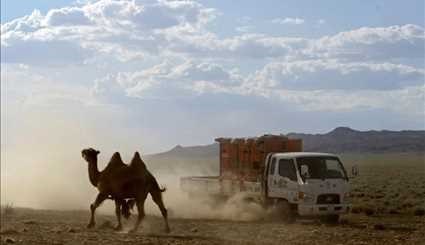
129, 30
364, 60
170, 79
292, 21
26, 24
364, 44
201, 71
409, 100
325, 75
379, 43
308, 85
254, 46
103, 27
67, 17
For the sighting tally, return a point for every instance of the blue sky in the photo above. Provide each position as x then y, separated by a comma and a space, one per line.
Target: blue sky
185, 73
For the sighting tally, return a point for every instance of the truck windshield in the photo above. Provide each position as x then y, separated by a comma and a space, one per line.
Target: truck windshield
322, 168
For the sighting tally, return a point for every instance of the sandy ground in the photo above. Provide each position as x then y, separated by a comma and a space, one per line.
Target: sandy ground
68, 227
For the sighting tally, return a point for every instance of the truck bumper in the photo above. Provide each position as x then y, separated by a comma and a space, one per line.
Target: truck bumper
326, 209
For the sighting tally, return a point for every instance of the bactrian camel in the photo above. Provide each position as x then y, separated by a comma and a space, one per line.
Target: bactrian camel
119, 182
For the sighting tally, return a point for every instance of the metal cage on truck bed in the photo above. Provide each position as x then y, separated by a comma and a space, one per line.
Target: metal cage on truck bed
243, 158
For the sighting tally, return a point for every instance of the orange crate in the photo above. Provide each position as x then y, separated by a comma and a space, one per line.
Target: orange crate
295, 145
243, 159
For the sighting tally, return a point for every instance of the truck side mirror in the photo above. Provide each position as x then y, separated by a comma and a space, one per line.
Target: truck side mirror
354, 171
304, 171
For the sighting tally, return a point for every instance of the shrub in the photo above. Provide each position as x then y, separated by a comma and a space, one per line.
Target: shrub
408, 203
356, 209
379, 227
369, 211
360, 194
419, 212
381, 210
379, 196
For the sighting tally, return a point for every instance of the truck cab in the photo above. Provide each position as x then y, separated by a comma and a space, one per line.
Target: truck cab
306, 184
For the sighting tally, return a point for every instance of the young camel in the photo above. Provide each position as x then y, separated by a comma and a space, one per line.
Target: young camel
119, 182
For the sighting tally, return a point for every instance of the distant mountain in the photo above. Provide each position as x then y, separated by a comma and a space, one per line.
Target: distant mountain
340, 140
345, 140
191, 151
190, 160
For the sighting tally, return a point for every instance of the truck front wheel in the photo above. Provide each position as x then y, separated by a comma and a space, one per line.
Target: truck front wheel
285, 211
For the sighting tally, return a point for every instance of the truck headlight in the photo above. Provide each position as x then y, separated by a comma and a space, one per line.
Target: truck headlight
346, 198
302, 196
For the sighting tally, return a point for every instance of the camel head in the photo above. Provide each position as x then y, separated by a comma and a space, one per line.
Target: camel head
90, 154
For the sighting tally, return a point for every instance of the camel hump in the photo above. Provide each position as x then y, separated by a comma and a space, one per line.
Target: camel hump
137, 161
115, 161
116, 157
137, 155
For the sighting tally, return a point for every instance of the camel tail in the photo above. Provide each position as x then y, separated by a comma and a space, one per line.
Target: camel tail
163, 189
156, 185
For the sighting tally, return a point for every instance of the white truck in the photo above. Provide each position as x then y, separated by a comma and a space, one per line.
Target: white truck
295, 183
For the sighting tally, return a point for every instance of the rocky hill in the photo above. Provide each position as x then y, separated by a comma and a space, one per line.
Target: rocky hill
345, 140
204, 159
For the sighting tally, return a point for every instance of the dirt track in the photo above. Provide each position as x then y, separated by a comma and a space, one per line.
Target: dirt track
66, 227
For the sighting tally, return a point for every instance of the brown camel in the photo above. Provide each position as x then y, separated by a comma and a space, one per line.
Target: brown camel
119, 182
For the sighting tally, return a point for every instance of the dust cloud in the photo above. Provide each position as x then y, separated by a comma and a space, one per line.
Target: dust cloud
68, 188
41, 163
59, 180
42, 167
181, 205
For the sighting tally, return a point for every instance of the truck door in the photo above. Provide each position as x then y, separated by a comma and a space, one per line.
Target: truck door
271, 178
286, 182
265, 176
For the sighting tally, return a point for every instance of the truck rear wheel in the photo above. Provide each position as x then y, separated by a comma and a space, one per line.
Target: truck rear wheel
286, 212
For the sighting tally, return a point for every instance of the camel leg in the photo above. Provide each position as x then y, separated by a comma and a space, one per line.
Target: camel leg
157, 198
140, 202
118, 214
99, 199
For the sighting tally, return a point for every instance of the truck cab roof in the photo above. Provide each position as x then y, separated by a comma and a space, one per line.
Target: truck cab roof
303, 154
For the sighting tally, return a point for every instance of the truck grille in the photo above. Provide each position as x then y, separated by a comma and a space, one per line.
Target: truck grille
328, 199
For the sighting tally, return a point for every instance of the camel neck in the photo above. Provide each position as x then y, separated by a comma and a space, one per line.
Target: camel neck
93, 173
